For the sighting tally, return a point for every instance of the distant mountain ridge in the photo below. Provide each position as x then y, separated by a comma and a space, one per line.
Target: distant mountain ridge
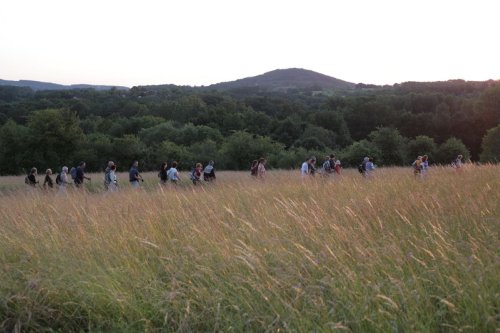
39, 85
284, 79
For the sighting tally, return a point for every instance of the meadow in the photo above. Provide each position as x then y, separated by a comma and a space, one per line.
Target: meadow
387, 254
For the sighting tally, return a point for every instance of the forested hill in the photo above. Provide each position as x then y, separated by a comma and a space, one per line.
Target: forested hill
287, 79
393, 124
38, 85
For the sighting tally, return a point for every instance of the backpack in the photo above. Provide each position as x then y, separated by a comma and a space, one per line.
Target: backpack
191, 175
58, 179
327, 166
361, 168
73, 173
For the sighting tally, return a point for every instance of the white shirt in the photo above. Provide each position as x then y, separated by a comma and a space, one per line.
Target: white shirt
304, 170
172, 174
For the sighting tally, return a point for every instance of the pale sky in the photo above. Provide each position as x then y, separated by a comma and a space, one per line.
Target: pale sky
200, 42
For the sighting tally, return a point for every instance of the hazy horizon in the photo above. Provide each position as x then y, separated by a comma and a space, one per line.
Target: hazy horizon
191, 85
198, 43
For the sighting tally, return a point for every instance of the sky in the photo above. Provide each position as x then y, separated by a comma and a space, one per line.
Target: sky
200, 42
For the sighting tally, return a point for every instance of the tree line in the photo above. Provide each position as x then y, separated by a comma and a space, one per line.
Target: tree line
153, 123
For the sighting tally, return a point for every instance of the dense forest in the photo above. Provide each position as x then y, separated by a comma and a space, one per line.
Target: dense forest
235, 125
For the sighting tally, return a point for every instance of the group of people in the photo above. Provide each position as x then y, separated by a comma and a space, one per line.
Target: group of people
258, 168
421, 166
62, 180
167, 173
330, 166
76, 176
170, 173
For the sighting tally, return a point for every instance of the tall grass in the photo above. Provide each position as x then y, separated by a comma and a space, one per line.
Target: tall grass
389, 254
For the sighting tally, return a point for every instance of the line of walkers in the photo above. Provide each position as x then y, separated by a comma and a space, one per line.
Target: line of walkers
167, 173
77, 175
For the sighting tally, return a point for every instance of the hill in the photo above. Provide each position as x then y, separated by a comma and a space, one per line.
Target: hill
286, 79
39, 85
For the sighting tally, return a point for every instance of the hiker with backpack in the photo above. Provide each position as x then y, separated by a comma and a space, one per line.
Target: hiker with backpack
370, 167
173, 174
106, 175
48, 182
209, 172
362, 166
80, 175
31, 178
417, 166
327, 166
162, 174
134, 176
196, 174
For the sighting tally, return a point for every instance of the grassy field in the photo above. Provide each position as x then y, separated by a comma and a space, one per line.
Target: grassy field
388, 254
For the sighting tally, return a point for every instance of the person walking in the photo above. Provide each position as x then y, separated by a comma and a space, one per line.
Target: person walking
338, 167
196, 174
48, 182
312, 166
304, 169
328, 165
106, 175
370, 167
173, 174
458, 163
417, 166
112, 179
31, 178
424, 166
63, 180
261, 169
162, 174
254, 168
209, 172
80, 175
134, 176
362, 166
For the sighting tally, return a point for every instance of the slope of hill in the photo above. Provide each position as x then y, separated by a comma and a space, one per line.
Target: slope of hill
285, 79
38, 85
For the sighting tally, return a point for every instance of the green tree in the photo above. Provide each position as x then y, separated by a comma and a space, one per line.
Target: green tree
169, 151
421, 145
15, 149
288, 131
126, 150
315, 137
56, 135
96, 151
390, 144
354, 154
334, 122
450, 149
241, 148
491, 146
206, 151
